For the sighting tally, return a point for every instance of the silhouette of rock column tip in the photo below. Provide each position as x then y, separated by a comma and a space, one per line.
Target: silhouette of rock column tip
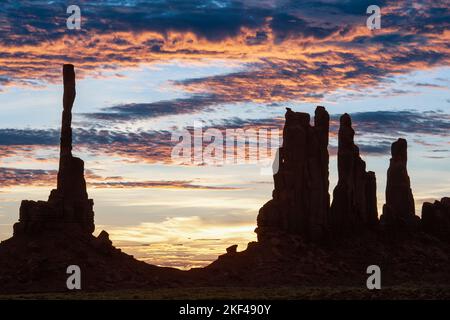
68, 206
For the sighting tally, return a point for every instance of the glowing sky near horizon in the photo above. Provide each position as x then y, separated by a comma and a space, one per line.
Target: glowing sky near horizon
145, 68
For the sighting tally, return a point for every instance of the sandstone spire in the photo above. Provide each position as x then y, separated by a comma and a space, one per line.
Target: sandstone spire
68, 207
354, 198
300, 199
68, 100
399, 210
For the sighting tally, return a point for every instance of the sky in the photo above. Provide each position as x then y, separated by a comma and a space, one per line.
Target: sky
147, 70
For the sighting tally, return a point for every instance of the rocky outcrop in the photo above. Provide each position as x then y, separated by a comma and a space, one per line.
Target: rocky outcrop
297, 215
300, 201
399, 209
436, 218
232, 249
52, 235
68, 207
354, 204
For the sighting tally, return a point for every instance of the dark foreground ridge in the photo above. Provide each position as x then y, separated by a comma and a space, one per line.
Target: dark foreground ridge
302, 238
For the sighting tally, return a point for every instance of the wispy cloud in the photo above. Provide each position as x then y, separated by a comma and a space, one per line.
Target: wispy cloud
138, 111
402, 122
288, 49
12, 177
156, 146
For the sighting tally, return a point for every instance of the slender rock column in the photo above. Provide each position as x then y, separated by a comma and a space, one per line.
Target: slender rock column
68, 207
68, 100
399, 210
354, 198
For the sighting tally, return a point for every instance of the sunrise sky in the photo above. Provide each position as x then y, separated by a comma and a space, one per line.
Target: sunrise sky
146, 69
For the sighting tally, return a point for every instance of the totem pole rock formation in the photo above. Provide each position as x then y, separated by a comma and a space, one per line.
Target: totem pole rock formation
68, 206
52, 235
300, 201
436, 218
399, 209
354, 198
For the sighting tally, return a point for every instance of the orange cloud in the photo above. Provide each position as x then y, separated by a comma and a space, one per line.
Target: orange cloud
299, 66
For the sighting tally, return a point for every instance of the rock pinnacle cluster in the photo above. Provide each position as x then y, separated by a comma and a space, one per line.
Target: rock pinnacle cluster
300, 206
354, 205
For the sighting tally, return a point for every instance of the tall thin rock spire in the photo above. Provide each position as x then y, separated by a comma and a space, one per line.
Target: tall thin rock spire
300, 199
68, 207
354, 204
68, 100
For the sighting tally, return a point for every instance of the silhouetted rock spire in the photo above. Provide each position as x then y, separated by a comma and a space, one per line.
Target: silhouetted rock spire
354, 198
68, 100
68, 207
300, 199
399, 210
